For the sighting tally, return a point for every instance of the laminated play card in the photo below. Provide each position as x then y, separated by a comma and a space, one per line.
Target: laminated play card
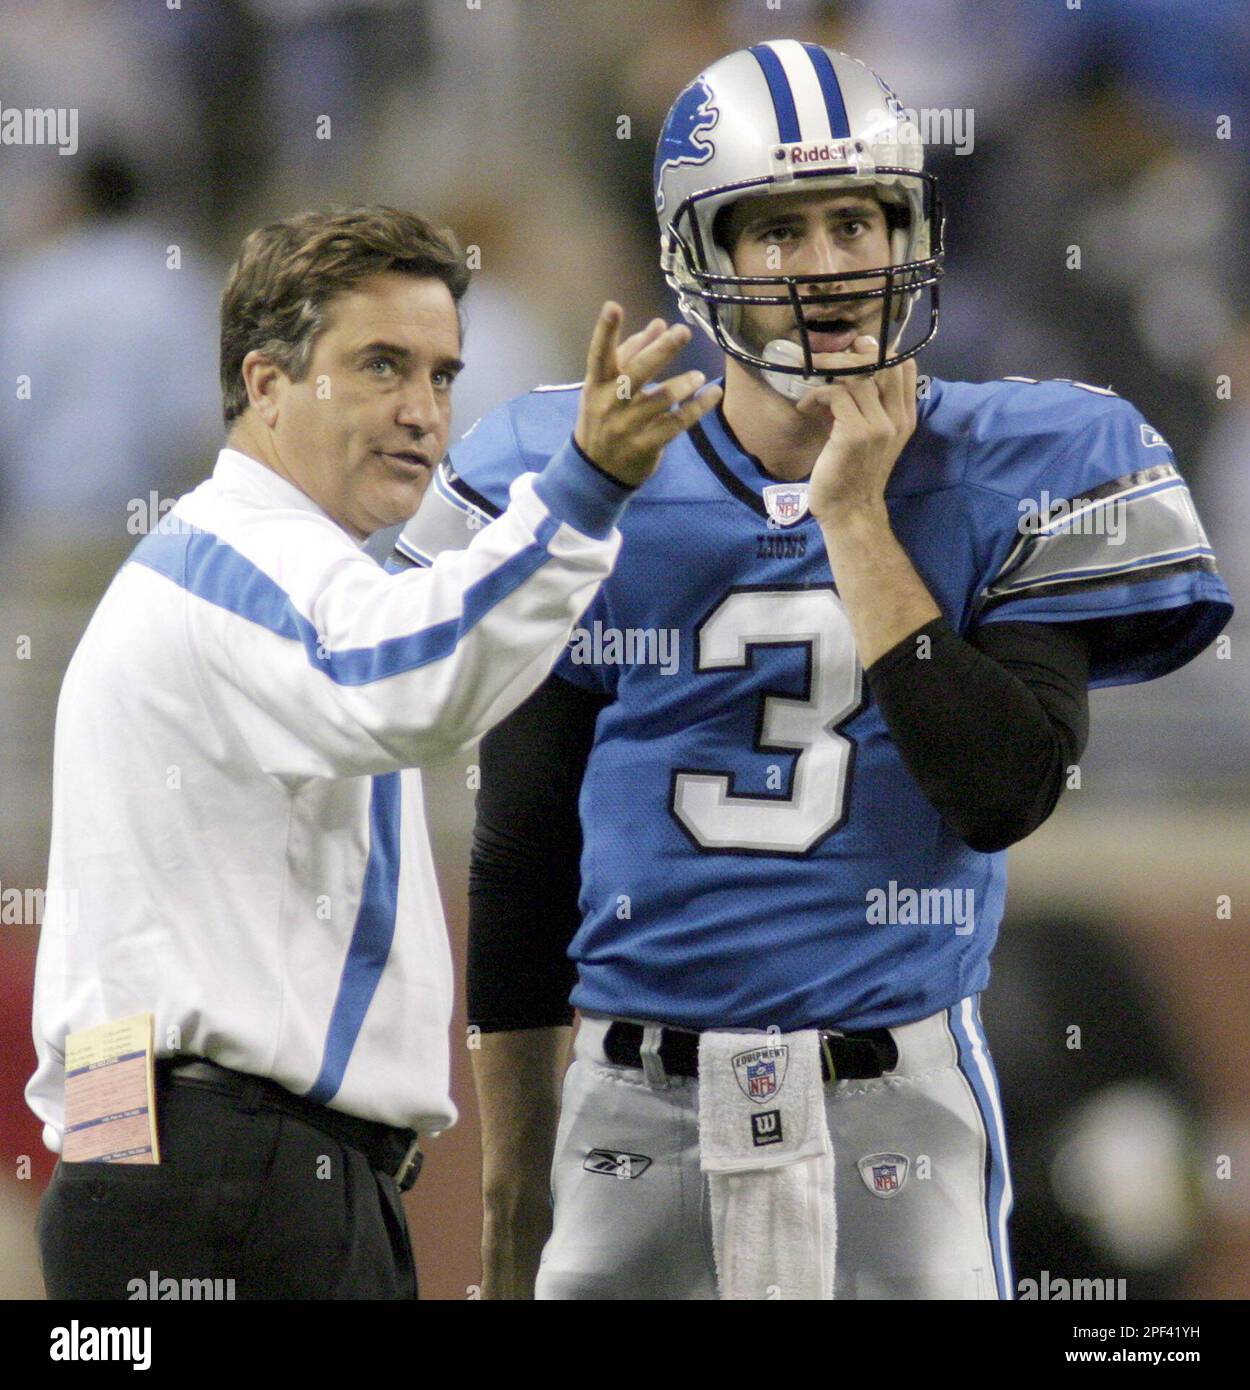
110, 1094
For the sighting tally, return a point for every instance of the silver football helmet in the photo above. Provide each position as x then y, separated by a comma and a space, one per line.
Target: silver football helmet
785, 117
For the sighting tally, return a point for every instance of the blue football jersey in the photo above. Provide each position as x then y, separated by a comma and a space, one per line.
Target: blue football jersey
756, 852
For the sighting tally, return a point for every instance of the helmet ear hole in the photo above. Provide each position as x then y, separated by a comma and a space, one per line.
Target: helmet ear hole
897, 215
721, 229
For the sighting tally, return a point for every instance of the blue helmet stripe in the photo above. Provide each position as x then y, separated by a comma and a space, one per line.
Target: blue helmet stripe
783, 99
839, 126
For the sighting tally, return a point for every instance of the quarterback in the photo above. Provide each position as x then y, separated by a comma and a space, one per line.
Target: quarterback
769, 874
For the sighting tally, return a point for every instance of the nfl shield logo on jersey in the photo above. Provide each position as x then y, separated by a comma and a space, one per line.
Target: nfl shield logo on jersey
761, 1071
883, 1174
785, 503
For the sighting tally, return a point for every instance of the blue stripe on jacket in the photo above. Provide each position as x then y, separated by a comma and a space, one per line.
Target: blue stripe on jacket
371, 938
207, 567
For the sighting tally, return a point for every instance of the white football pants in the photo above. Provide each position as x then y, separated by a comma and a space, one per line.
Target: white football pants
922, 1187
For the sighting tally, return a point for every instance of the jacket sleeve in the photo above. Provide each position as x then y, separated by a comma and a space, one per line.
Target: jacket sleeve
351, 671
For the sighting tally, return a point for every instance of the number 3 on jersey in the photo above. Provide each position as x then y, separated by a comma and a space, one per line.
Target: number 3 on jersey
813, 619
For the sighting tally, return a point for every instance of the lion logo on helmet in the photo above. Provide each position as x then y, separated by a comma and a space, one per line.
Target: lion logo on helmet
683, 139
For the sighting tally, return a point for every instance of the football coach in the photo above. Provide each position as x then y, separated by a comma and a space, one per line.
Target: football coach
238, 839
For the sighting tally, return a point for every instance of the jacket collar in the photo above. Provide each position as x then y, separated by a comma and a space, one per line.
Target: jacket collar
240, 473
245, 476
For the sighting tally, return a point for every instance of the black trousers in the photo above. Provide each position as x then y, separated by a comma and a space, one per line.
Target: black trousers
247, 1195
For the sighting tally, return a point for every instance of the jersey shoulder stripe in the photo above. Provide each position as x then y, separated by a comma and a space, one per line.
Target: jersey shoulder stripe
1128, 529
1080, 514
450, 515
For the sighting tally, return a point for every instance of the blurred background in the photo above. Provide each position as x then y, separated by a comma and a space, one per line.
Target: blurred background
1118, 1012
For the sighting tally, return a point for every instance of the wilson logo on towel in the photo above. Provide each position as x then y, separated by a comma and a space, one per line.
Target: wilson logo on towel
766, 1128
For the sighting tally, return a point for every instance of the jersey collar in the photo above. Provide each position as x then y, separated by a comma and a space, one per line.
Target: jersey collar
745, 477
740, 473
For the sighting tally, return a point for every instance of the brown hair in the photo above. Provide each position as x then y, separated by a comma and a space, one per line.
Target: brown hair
275, 298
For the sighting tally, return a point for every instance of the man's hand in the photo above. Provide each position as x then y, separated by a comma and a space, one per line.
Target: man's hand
624, 425
873, 418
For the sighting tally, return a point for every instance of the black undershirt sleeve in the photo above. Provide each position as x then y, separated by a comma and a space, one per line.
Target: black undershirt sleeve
988, 726
524, 872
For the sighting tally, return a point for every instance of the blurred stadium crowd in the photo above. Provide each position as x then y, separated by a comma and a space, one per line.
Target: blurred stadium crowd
1118, 127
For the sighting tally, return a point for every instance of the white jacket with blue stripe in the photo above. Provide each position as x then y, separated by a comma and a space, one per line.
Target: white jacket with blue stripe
238, 842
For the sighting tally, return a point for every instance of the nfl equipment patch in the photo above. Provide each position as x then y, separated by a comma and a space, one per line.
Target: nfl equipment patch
762, 1071
884, 1174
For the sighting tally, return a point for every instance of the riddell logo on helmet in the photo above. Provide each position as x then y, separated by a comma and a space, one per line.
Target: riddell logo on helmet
825, 153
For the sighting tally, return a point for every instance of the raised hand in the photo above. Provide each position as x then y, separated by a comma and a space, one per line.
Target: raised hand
624, 424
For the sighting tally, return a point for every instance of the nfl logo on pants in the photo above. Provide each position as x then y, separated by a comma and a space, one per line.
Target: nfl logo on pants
883, 1174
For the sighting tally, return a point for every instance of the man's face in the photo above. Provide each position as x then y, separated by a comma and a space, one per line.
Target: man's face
362, 432
818, 233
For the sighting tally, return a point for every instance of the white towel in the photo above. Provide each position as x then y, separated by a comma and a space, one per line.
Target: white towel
764, 1144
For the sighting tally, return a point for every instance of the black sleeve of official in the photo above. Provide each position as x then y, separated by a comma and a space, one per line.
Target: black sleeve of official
988, 726
524, 873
